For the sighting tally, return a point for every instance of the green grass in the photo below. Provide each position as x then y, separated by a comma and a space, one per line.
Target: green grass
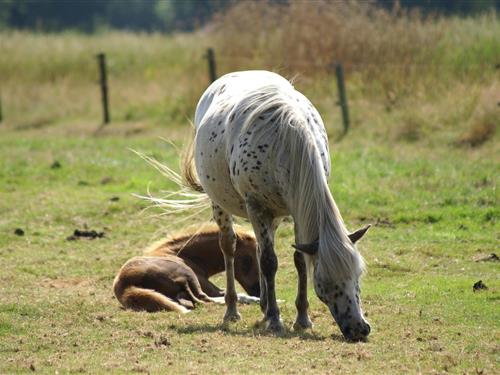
434, 206
435, 210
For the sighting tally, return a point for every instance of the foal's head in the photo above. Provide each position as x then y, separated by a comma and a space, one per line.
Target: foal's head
246, 267
342, 296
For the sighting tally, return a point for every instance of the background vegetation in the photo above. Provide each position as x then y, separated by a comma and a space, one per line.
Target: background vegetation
420, 162
168, 15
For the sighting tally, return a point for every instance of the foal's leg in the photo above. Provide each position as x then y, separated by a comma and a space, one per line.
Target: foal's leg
301, 302
227, 242
264, 228
209, 288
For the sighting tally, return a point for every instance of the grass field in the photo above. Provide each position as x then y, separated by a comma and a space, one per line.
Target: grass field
421, 162
435, 212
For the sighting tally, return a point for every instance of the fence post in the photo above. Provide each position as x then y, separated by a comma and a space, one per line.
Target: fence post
101, 59
211, 65
1, 112
339, 72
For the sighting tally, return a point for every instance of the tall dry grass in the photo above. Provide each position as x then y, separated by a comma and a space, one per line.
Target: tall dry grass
308, 37
408, 77
485, 120
50, 78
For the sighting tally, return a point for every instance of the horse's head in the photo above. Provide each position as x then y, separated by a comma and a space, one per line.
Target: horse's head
343, 300
342, 296
246, 266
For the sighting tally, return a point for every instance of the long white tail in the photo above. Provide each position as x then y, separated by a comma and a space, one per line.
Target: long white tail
190, 195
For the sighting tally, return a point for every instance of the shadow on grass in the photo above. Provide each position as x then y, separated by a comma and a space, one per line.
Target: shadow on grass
253, 331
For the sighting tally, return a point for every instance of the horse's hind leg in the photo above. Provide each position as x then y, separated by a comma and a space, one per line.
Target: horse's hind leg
301, 302
264, 227
209, 288
227, 242
195, 292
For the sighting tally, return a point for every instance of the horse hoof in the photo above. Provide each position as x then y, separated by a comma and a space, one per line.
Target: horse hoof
232, 317
301, 325
275, 326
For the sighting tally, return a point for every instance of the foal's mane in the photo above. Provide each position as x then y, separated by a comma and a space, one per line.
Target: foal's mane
307, 194
174, 244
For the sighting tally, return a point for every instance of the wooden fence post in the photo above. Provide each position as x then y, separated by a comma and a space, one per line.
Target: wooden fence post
101, 60
211, 65
339, 72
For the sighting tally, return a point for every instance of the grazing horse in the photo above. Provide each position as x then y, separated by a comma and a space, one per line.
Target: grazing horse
261, 152
174, 273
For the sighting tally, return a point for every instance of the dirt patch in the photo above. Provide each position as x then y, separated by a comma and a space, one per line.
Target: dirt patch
90, 234
487, 258
107, 180
377, 221
55, 165
479, 286
384, 222
162, 341
66, 283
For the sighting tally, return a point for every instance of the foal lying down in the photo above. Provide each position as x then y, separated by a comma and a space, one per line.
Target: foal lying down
173, 273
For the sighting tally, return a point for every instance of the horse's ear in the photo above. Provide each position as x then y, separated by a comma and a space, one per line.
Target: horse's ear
310, 248
356, 236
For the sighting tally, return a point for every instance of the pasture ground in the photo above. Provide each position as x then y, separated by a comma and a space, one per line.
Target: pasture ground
421, 163
435, 212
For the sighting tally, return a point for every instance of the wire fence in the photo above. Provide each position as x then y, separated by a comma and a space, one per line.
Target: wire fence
213, 67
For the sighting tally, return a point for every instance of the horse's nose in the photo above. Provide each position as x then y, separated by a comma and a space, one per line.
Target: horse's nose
255, 290
365, 331
359, 333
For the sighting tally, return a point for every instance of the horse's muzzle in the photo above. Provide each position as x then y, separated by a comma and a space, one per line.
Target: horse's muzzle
254, 290
358, 332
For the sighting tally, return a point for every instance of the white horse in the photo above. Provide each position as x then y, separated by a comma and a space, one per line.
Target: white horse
261, 152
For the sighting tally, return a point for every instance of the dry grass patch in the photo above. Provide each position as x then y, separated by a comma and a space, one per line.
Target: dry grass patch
395, 51
485, 119
309, 37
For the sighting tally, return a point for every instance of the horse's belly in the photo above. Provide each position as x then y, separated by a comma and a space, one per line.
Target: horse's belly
260, 183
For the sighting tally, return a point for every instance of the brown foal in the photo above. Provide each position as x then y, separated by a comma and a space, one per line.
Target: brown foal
173, 274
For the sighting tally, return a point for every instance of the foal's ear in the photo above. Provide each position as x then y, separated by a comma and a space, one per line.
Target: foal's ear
309, 248
356, 236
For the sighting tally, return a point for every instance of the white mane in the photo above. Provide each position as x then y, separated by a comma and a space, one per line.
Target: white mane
308, 197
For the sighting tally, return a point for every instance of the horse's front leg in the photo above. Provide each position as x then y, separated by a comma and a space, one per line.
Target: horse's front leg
302, 321
264, 228
227, 242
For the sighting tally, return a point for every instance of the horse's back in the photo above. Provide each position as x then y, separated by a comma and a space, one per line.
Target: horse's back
237, 123
231, 87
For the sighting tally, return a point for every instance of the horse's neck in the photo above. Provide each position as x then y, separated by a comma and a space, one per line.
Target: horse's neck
203, 251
